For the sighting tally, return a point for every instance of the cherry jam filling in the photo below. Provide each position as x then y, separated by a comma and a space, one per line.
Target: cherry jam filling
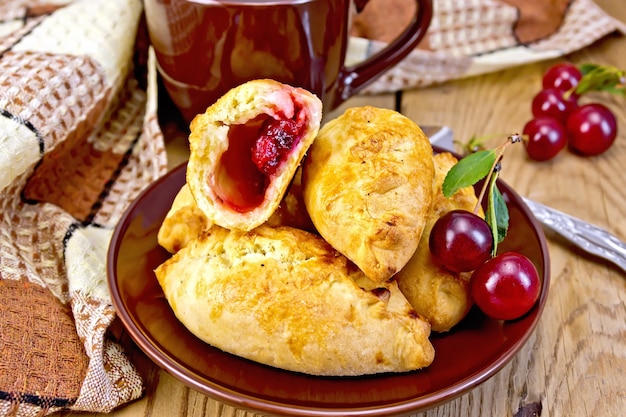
277, 139
256, 150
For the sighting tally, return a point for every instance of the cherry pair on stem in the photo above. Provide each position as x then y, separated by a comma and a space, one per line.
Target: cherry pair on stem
504, 286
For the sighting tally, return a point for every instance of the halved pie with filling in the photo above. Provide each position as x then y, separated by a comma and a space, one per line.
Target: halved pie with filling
246, 148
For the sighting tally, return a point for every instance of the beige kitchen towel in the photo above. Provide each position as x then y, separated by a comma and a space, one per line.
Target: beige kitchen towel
79, 140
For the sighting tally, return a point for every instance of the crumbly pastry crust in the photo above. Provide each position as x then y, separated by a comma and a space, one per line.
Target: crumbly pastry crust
367, 185
183, 222
284, 297
436, 293
209, 139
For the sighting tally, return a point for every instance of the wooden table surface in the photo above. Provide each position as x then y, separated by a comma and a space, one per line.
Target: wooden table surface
575, 362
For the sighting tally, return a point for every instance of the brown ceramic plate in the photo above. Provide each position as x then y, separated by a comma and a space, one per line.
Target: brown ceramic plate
473, 352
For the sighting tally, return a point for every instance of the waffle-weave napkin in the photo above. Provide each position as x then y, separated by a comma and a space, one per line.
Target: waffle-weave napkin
80, 138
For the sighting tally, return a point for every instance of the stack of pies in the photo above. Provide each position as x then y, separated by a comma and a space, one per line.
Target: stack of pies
306, 249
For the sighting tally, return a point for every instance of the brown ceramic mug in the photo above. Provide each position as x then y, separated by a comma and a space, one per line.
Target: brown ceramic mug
206, 47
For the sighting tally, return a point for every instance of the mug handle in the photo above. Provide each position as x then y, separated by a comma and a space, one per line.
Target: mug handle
353, 79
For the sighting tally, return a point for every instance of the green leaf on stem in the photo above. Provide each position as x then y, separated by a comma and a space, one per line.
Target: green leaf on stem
601, 78
497, 213
468, 171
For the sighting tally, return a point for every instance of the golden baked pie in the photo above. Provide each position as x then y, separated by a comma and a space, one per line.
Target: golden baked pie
367, 185
285, 298
183, 222
436, 293
245, 149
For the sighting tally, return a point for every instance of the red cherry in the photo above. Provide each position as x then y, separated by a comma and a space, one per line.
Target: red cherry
506, 286
461, 241
563, 76
592, 129
546, 138
552, 103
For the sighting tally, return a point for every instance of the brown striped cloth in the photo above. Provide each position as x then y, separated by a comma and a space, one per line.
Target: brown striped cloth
77, 144
79, 139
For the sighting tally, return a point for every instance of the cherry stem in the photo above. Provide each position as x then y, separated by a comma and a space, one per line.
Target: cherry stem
514, 138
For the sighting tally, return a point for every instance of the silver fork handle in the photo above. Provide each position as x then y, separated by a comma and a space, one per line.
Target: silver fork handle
590, 238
